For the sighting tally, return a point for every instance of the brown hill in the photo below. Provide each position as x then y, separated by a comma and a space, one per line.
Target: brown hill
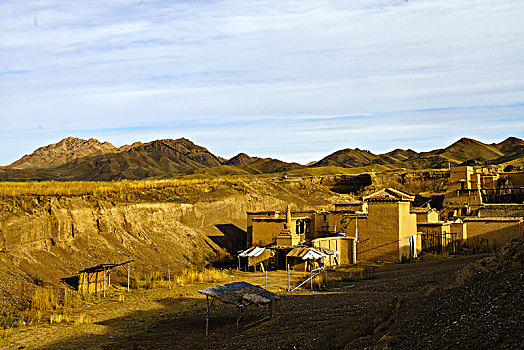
59, 153
143, 160
468, 149
269, 166
464, 151
510, 145
349, 158
240, 159
77, 159
398, 156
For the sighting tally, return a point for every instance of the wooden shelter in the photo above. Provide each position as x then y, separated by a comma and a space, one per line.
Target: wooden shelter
94, 279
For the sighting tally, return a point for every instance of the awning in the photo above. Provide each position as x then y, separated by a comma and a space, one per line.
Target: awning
306, 253
330, 252
252, 252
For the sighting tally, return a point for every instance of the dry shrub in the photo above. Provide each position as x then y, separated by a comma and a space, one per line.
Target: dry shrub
82, 319
45, 299
58, 318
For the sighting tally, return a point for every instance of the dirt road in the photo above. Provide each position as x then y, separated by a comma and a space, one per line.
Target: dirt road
346, 313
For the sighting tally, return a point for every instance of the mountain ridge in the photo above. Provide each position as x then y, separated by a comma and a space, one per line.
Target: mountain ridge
78, 159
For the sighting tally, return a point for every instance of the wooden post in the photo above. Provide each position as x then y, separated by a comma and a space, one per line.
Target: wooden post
288, 284
169, 275
104, 282
325, 279
266, 279
207, 314
128, 273
311, 279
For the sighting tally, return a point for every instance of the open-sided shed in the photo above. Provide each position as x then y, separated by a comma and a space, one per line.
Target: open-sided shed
239, 294
94, 279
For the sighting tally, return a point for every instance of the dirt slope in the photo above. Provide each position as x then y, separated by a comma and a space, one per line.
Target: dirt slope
481, 306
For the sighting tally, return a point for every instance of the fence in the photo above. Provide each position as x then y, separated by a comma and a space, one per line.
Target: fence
439, 243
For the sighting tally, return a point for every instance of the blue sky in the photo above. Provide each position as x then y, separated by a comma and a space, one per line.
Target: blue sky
294, 80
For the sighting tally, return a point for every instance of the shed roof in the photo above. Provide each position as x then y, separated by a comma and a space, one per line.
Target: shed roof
239, 292
252, 252
103, 267
306, 253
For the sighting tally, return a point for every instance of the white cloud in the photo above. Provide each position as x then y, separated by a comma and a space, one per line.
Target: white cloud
69, 66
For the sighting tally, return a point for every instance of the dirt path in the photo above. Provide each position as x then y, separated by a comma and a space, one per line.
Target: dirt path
331, 319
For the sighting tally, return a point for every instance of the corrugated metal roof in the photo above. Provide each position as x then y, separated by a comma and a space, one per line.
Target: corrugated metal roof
252, 252
239, 292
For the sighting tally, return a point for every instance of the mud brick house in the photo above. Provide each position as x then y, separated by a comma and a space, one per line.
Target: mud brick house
382, 226
491, 233
476, 191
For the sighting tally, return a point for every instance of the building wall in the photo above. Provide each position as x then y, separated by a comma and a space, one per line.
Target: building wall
407, 228
266, 232
379, 233
501, 210
323, 224
492, 234
431, 216
344, 245
463, 178
461, 228
253, 215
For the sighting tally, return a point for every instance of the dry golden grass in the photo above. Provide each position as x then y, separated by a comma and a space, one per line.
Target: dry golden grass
45, 299
6, 332
187, 276
82, 188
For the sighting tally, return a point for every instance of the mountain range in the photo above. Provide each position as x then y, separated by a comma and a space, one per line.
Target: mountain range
91, 160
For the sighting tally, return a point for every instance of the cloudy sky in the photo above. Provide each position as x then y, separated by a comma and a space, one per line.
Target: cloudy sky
295, 80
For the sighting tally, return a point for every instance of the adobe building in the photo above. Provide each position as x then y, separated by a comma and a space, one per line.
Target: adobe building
263, 227
476, 191
491, 233
425, 215
346, 246
381, 225
389, 231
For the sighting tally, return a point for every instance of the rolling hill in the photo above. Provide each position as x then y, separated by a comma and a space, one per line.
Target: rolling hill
91, 160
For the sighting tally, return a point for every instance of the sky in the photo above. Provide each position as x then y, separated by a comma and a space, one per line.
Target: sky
294, 80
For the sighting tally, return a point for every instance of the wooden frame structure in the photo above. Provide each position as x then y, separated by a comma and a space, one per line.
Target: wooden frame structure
95, 279
240, 294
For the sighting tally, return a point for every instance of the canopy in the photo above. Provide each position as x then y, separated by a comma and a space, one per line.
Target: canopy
252, 252
306, 253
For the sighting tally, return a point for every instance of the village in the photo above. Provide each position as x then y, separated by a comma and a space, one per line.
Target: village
482, 212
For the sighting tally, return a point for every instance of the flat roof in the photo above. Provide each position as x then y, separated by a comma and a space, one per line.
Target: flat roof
495, 219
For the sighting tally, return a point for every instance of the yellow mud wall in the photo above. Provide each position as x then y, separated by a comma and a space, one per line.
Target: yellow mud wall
342, 244
491, 234
379, 233
407, 228
265, 232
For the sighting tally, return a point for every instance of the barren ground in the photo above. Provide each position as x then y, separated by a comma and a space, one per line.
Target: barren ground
344, 315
